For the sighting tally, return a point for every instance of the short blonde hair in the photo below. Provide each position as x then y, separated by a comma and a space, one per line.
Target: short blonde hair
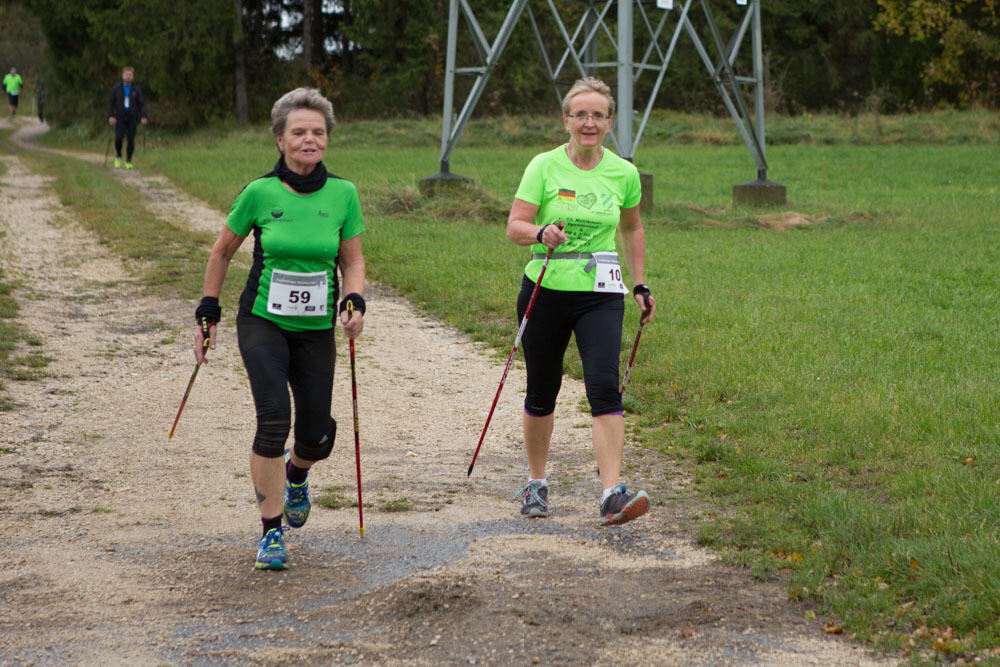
589, 84
300, 98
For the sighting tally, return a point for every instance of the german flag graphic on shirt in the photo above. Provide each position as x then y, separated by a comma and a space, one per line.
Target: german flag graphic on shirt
567, 195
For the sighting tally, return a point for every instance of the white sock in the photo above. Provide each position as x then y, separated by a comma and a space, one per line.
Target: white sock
538, 479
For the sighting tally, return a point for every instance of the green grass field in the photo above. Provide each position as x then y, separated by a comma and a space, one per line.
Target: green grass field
832, 388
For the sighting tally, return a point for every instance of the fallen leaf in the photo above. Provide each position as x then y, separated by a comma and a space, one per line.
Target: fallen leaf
833, 629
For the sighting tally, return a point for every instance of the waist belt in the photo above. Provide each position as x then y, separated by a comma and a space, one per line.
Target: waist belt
591, 263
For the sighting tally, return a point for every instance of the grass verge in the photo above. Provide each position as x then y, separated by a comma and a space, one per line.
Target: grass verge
166, 257
12, 336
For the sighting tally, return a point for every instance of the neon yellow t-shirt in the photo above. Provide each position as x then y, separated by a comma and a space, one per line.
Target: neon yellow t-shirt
12, 83
589, 202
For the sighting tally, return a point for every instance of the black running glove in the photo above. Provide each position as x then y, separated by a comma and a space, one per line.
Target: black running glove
209, 310
643, 290
356, 299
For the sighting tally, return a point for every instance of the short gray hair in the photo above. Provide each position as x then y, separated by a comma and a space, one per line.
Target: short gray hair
300, 98
589, 84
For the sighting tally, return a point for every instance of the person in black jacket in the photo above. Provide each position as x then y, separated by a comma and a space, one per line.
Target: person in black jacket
126, 109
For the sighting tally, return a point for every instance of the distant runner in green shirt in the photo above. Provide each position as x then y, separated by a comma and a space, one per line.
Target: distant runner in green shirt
12, 85
306, 224
575, 200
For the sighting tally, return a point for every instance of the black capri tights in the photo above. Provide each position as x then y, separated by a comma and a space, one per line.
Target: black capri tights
596, 320
275, 360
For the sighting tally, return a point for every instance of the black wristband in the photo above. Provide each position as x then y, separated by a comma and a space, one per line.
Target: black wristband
541, 230
356, 299
208, 310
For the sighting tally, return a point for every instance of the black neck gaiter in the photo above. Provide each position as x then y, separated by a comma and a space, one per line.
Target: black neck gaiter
311, 182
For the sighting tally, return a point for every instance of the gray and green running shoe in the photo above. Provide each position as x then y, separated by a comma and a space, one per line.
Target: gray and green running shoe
535, 500
271, 552
297, 502
622, 506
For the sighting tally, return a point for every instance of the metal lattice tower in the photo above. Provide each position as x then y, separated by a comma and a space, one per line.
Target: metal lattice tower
664, 24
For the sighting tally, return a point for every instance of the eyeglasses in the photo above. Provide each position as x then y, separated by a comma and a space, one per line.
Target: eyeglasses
583, 116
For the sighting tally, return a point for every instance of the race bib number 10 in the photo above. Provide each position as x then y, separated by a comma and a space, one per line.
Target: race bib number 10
302, 294
608, 274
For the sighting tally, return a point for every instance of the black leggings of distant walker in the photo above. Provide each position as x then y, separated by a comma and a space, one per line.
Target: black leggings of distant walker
125, 129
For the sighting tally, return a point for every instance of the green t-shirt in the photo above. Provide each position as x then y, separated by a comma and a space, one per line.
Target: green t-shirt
590, 204
297, 235
12, 83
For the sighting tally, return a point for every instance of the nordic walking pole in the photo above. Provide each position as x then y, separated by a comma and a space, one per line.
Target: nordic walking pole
517, 341
631, 358
357, 439
204, 349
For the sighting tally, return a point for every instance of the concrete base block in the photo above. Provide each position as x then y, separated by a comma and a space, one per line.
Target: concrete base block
442, 182
761, 192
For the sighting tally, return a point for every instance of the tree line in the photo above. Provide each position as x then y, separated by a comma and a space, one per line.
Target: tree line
200, 61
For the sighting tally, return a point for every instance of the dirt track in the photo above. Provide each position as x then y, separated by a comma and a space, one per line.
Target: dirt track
122, 546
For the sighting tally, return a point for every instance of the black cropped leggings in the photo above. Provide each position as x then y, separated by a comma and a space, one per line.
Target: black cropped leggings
275, 360
596, 320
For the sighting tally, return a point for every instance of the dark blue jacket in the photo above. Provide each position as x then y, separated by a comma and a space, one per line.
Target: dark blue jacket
116, 103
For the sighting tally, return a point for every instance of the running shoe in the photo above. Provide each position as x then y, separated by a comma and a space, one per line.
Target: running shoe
535, 499
118, 163
271, 553
622, 506
297, 502
129, 165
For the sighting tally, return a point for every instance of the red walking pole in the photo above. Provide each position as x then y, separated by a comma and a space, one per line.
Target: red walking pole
631, 358
517, 341
357, 439
204, 349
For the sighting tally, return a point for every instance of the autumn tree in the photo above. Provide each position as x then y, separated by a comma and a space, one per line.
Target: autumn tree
954, 45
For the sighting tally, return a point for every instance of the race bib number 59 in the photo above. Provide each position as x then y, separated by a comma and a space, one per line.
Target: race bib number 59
293, 293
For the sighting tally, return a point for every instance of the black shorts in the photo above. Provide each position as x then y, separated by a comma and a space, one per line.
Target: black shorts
13, 98
277, 360
596, 321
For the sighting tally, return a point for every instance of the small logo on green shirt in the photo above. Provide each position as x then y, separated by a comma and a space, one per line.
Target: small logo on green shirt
276, 212
324, 214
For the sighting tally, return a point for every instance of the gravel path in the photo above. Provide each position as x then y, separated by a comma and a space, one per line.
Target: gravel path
122, 546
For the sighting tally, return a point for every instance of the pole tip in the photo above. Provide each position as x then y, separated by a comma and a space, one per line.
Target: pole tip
362, 532
170, 433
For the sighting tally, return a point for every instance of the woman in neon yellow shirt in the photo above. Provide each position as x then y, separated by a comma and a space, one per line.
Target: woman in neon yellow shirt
595, 195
